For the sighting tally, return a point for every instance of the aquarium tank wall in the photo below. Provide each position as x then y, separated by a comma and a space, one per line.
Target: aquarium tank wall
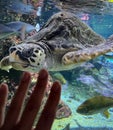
75, 43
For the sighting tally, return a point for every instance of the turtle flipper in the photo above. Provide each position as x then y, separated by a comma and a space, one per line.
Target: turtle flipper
5, 64
87, 54
110, 38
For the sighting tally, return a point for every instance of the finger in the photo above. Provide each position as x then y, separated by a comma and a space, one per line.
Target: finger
48, 114
13, 114
3, 98
34, 102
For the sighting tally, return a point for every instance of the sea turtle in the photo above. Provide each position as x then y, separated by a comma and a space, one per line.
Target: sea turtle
15, 28
85, 6
63, 43
13, 33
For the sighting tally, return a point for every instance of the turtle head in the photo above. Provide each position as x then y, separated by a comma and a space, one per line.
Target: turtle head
26, 57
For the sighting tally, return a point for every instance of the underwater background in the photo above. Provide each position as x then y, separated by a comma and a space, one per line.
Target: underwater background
89, 79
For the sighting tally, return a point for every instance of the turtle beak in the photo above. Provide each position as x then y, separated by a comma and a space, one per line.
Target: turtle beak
5, 64
16, 62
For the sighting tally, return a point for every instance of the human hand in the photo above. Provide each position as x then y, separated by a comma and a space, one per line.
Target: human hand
15, 119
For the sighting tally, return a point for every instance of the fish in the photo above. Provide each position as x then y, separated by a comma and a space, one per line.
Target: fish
6, 31
60, 77
20, 8
97, 104
110, 0
17, 26
21, 28
107, 1
22, 32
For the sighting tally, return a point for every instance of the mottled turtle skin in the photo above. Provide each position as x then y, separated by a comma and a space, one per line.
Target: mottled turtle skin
85, 6
63, 43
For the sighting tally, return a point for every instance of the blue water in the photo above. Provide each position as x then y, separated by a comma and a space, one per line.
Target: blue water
102, 24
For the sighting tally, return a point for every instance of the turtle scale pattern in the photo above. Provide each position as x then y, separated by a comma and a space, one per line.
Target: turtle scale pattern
64, 31
84, 6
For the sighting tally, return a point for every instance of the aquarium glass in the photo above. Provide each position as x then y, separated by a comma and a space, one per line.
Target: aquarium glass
91, 80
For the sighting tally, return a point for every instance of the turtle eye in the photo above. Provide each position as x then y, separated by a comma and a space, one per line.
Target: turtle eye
12, 49
27, 52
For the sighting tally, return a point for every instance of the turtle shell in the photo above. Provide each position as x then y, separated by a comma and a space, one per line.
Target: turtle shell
66, 32
85, 6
